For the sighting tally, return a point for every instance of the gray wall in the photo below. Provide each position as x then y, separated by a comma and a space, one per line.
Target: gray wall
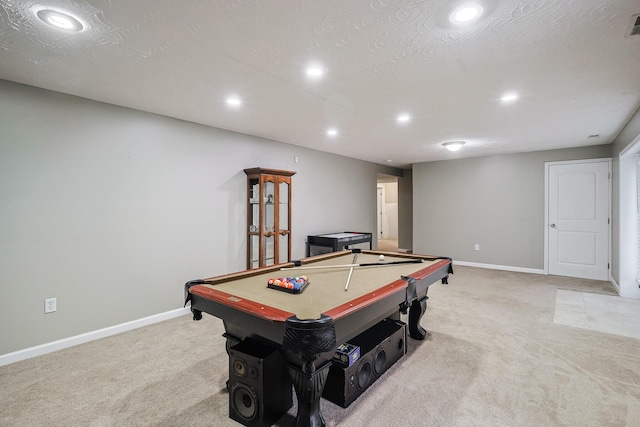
111, 210
496, 202
405, 210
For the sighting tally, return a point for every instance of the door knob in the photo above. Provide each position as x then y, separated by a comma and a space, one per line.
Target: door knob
553, 226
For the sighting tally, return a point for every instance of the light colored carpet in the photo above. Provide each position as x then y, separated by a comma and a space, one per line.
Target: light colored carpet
604, 313
390, 245
494, 357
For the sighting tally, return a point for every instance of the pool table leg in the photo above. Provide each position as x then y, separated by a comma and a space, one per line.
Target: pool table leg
309, 383
416, 311
304, 342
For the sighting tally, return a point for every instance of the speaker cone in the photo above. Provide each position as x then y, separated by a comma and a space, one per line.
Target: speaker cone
239, 367
253, 372
245, 402
379, 361
364, 374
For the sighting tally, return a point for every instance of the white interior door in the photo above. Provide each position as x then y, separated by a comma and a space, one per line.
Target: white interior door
578, 219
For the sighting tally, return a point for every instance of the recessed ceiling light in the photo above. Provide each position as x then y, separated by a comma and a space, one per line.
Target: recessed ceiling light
509, 97
453, 145
315, 71
234, 101
389, 161
60, 20
332, 132
404, 118
466, 12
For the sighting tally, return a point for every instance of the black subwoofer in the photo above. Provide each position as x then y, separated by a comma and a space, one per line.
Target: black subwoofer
380, 347
259, 384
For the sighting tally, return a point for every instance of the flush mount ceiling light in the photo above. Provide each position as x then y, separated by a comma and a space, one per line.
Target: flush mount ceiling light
509, 97
453, 145
404, 118
60, 20
466, 12
315, 71
234, 101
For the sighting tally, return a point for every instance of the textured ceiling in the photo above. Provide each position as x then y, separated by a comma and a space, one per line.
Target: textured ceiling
571, 61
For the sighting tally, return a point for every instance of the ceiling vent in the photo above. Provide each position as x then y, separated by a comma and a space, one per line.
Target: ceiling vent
634, 29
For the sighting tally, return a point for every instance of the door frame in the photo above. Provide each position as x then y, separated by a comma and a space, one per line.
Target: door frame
382, 215
547, 166
628, 284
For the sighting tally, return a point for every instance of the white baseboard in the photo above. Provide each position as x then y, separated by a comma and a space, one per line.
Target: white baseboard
50, 347
498, 267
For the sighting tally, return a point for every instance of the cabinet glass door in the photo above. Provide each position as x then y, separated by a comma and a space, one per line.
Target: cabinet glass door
254, 206
283, 222
254, 251
269, 221
283, 193
269, 249
254, 223
283, 249
269, 213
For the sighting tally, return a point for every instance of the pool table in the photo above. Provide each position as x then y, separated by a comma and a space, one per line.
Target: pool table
307, 327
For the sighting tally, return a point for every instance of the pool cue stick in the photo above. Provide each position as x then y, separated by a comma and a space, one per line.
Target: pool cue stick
355, 257
366, 264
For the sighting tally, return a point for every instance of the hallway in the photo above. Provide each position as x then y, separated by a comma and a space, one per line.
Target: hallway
390, 245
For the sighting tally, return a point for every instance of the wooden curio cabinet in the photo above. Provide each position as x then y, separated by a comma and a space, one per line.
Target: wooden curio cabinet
268, 217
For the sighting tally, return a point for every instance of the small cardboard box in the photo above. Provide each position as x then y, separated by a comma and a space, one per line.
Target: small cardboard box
346, 355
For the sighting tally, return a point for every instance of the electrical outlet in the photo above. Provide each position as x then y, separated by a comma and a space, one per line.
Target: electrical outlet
50, 305
477, 247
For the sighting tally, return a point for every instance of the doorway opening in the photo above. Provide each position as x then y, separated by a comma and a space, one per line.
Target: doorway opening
387, 215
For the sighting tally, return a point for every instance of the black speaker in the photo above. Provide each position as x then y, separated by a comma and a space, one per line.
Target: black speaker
259, 384
380, 347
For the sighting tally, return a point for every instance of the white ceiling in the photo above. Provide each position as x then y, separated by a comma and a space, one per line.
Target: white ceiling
571, 61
